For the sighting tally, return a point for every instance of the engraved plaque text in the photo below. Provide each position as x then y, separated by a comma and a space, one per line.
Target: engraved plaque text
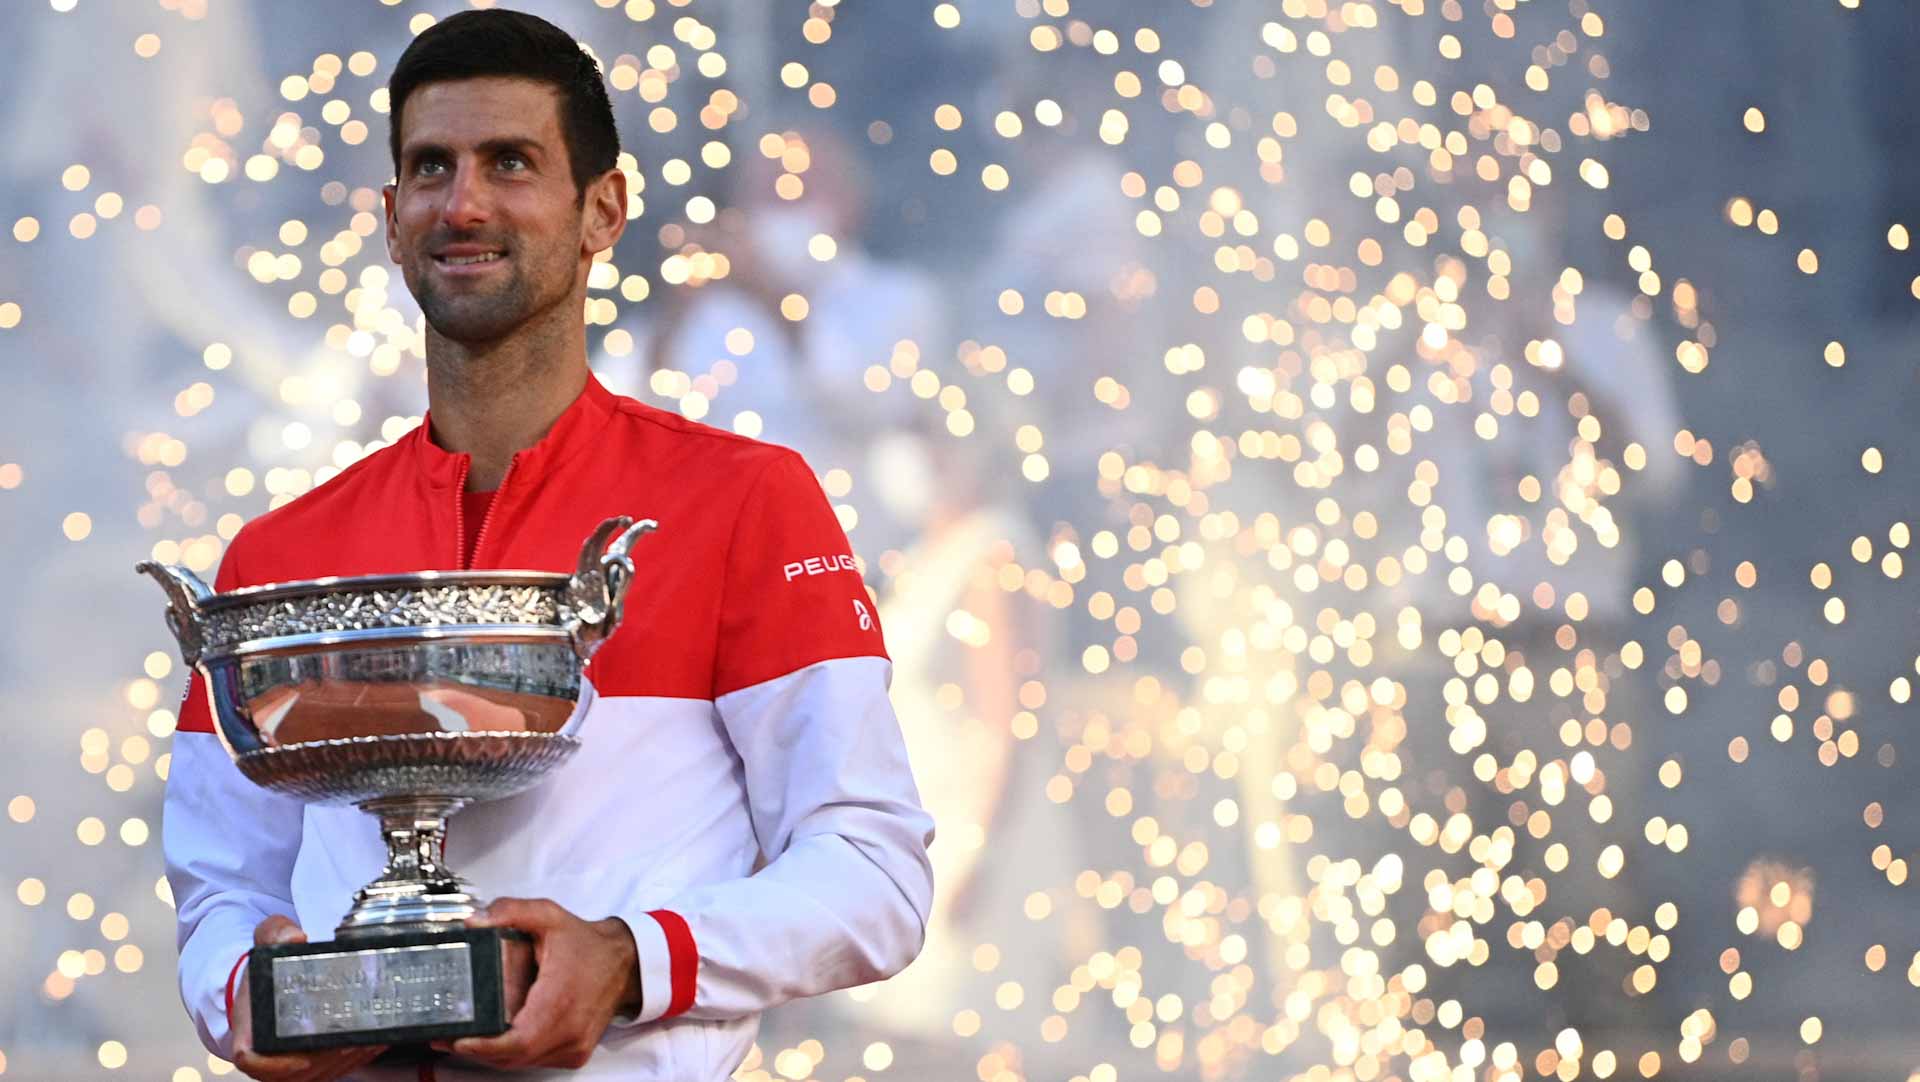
373, 988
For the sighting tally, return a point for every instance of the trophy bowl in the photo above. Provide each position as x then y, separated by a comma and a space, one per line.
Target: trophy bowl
408, 696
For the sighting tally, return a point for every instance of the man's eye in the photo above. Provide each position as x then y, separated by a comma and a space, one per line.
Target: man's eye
512, 163
429, 167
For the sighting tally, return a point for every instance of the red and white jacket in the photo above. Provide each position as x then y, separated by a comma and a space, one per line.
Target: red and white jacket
737, 720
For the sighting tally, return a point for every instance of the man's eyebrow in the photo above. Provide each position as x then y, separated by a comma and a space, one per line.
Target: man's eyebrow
505, 143
497, 145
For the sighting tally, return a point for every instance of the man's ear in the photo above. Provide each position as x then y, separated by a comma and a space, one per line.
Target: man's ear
604, 216
393, 239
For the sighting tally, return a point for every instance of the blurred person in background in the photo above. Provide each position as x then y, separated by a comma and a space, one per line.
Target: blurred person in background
1440, 498
1520, 562
779, 345
1014, 911
1079, 296
119, 261
1551, 509
1239, 604
962, 647
1066, 285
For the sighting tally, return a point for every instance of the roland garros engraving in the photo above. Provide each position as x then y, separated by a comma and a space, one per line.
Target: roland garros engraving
359, 990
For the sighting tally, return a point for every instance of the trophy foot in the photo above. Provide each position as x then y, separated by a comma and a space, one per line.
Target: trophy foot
400, 990
403, 968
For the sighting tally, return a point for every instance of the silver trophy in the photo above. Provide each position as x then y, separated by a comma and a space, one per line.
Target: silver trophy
409, 696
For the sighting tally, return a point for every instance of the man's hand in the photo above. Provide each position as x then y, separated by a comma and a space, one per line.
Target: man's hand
319, 1066
588, 970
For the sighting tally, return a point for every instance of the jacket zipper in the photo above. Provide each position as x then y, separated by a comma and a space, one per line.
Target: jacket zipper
460, 517
487, 519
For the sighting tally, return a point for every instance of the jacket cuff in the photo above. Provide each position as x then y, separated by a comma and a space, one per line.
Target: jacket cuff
233, 978
234, 987
669, 965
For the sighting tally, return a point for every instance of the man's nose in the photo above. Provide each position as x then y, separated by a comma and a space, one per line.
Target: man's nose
466, 204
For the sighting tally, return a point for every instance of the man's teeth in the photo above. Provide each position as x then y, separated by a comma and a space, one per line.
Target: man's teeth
463, 260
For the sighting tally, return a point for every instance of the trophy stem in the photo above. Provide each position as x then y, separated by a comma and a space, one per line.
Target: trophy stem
416, 891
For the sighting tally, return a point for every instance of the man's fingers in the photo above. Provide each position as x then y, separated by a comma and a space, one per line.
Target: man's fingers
529, 1036
510, 1049
306, 1066
561, 1022
526, 914
347, 1060
517, 1047
524, 1041
273, 1068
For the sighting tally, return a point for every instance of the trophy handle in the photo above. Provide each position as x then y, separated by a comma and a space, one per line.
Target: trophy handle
597, 593
185, 592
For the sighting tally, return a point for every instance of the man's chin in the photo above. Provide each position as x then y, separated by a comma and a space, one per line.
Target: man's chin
471, 328
472, 316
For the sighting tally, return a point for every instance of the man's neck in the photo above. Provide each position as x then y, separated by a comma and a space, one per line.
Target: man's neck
494, 399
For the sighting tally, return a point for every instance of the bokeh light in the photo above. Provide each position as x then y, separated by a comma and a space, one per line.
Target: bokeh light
1388, 515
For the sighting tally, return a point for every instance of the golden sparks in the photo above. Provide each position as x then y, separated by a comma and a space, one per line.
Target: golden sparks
1367, 652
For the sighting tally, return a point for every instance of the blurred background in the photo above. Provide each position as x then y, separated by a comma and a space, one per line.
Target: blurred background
1387, 514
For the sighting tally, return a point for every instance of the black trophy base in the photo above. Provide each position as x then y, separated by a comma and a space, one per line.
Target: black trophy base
397, 990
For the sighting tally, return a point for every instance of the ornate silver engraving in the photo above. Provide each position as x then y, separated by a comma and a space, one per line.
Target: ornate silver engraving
473, 766
433, 606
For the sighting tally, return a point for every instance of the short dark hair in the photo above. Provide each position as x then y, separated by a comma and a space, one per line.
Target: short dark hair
513, 44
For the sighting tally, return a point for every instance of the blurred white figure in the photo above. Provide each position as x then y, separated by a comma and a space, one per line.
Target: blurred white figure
1511, 514
955, 638
1573, 533
801, 378
1071, 231
1537, 502
961, 647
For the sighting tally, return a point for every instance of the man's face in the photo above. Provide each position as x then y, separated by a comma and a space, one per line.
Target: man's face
484, 219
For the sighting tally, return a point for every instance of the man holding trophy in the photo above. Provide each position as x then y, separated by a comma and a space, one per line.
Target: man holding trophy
714, 817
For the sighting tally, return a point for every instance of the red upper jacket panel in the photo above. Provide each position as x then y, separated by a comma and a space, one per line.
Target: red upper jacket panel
748, 578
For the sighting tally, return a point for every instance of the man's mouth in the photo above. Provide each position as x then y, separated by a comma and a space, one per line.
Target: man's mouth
468, 260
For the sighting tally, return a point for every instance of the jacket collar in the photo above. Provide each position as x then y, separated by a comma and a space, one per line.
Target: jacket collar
575, 428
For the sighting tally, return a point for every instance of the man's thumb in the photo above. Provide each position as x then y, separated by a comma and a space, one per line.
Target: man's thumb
277, 929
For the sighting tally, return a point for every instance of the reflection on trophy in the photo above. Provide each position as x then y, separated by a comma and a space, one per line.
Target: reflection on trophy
409, 696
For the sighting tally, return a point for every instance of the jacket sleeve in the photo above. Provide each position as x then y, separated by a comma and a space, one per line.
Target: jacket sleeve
801, 689
230, 847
